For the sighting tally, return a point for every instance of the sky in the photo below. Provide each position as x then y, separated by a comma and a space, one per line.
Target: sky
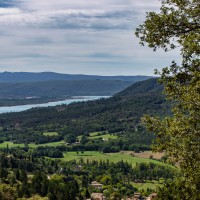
77, 37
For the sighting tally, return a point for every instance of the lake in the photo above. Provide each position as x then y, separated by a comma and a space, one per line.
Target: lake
66, 102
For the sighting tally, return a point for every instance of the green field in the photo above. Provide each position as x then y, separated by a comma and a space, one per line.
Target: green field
148, 184
32, 145
10, 144
51, 144
114, 157
97, 135
90, 155
104, 137
50, 134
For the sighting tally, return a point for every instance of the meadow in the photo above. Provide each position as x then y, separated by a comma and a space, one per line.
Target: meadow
148, 184
32, 145
96, 135
112, 157
50, 134
127, 156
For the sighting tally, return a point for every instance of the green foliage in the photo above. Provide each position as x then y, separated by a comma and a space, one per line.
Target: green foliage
57, 179
50, 134
35, 197
7, 192
177, 189
178, 24
71, 138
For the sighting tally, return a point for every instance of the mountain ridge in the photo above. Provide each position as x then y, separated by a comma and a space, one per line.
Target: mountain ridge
49, 84
49, 76
59, 88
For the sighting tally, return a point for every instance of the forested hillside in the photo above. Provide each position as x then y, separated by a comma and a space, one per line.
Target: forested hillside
119, 115
62, 88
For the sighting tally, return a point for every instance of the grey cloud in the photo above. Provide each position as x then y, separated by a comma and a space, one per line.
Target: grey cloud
68, 19
105, 55
36, 40
81, 36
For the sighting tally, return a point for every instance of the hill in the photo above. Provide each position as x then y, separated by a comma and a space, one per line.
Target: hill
18, 77
62, 88
119, 115
142, 87
48, 84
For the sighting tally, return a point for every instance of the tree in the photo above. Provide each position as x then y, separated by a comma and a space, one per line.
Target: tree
7, 192
178, 25
71, 138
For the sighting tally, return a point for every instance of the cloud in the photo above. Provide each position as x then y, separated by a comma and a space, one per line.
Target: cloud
68, 19
7, 3
81, 36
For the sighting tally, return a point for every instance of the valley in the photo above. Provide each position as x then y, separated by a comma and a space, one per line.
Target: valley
105, 132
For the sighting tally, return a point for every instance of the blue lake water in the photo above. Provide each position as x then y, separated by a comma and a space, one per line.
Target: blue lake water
67, 101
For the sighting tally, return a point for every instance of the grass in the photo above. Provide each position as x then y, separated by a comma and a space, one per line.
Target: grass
90, 155
148, 184
112, 157
147, 154
50, 134
32, 145
104, 137
10, 144
144, 154
97, 135
50, 144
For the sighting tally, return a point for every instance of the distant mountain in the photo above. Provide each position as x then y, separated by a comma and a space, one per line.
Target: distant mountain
62, 88
18, 77
49, 84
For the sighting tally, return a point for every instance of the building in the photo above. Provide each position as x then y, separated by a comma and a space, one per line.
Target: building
137, 196
152, 196
96, 185
97, 196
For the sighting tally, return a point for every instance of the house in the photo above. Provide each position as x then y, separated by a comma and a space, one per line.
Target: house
75, 143
97, 196
137, 196
152, 196
79, 168
96, 185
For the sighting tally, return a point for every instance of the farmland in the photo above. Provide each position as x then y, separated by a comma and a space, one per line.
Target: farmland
112, 157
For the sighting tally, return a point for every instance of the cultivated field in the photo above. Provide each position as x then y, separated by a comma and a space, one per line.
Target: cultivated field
144, 154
